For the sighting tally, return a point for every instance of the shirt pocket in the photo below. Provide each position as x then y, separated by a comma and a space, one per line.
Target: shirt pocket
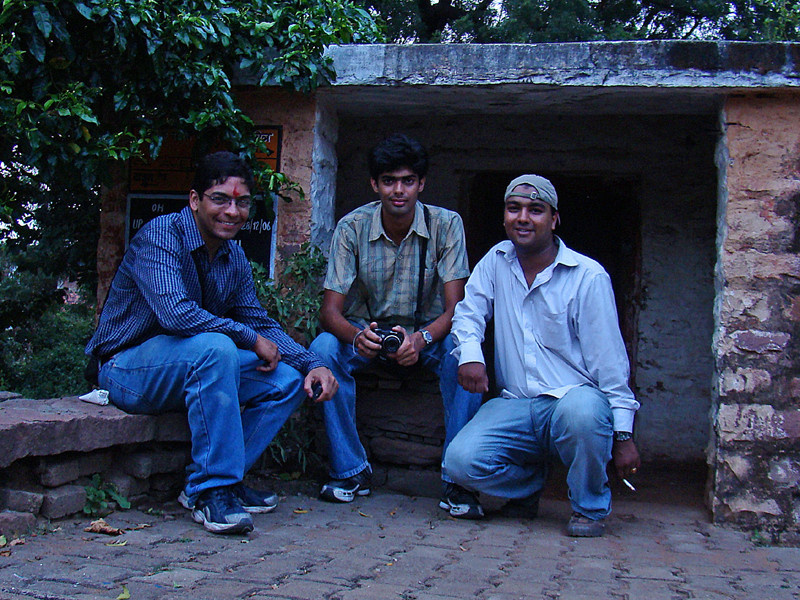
552, 330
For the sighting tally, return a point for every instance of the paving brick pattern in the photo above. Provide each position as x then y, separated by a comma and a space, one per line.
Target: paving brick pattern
395, 546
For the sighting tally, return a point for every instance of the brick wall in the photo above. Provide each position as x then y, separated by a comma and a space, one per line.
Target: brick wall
755, 449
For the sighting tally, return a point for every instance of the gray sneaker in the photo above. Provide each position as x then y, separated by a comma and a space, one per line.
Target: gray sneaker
254, 501
219, 511
581, 526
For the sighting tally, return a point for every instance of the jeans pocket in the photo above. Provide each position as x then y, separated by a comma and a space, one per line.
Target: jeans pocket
123, 397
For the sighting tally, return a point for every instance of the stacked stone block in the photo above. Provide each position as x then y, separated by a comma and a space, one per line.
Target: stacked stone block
755, 446
50, 449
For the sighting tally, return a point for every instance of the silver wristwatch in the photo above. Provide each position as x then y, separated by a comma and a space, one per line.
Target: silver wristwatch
622, 436
426, 335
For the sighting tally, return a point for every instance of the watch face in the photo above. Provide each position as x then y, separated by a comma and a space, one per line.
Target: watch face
426, 335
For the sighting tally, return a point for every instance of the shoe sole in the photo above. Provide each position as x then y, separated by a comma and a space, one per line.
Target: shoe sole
586, 532
259, 510
459, 512
339, 495
240, 527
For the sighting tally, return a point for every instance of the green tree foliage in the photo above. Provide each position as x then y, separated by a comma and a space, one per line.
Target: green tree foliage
86, 84
526, 21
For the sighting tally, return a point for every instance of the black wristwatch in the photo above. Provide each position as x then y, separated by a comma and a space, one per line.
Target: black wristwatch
622, 436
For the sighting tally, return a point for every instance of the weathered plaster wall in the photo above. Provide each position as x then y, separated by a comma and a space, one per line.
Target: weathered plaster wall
671, 158
757, 425
297, 114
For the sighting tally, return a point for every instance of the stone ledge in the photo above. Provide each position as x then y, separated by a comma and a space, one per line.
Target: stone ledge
58, 425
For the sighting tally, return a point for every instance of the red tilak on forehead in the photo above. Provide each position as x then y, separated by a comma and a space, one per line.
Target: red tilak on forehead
236, 192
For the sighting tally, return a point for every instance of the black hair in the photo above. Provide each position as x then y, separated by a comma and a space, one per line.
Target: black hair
397, 151
215, 169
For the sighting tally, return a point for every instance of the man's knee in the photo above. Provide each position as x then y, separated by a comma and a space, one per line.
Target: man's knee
325, 345
583, 411
215, 348
459, 460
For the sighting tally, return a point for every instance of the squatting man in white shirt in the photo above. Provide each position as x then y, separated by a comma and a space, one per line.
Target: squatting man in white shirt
560, 364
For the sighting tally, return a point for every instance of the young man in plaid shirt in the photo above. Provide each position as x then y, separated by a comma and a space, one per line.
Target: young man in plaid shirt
373, 280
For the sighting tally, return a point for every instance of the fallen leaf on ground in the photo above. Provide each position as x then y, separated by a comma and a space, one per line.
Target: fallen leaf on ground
141, 526
300, 511
364, 514
119, 543
100, 526
125, 593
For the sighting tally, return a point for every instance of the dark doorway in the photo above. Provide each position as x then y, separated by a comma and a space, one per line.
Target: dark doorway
600, 218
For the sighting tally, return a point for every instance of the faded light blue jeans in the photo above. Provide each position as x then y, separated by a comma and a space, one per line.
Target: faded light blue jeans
234, 410
346, 453
505, 449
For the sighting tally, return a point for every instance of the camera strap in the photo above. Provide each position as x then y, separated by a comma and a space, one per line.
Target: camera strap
423, 251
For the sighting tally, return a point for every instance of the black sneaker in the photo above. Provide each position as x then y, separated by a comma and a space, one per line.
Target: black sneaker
346, 490
254, 501
460, 503
219, 511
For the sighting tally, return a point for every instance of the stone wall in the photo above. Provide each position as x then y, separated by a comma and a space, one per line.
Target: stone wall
50, 449
296, 114
756, 445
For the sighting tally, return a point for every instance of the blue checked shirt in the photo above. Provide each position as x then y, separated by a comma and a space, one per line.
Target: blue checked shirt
157, 290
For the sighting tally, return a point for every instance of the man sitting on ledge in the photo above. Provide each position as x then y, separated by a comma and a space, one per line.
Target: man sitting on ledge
182, 328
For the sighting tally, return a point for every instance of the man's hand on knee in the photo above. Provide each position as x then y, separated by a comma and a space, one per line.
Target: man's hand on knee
268, 352
473, 378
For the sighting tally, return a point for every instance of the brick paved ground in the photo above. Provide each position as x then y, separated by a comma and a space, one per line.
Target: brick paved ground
395, 546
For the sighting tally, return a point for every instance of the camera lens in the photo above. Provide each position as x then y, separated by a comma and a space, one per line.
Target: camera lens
391, 343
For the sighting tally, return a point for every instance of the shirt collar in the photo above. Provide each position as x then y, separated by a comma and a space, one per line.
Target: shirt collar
192, 237
417, 226
565, 256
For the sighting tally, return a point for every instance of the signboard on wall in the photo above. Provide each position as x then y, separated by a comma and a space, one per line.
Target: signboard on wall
162, 186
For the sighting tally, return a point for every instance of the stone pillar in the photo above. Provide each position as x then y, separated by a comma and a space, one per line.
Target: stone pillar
296, 114
755, 444
323, 184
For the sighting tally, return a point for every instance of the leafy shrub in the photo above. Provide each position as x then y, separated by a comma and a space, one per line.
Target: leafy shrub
295, 304
42, 357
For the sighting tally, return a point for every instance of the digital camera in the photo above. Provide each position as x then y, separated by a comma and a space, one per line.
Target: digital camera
390, 340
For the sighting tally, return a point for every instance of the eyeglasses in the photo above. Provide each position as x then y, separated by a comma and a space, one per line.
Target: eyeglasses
223, 200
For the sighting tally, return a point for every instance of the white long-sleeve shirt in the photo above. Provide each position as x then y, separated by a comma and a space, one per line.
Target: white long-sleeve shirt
559, 333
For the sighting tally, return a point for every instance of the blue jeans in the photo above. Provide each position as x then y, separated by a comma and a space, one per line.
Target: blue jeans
346, 454
504, 451
234, 410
